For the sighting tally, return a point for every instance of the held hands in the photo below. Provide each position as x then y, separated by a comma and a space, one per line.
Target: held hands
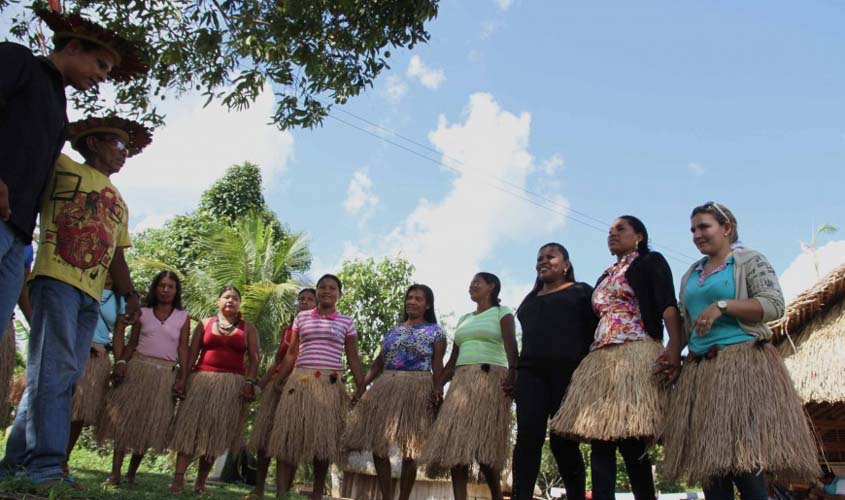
359, 393
179, 389
435, 399
248, 391
704, 322
118, 374
667, 367
509, 384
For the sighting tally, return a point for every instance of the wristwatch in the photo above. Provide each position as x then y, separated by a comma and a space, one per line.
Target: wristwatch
723, 306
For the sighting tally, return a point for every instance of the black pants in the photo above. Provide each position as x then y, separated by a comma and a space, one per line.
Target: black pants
539, 391
751, 486
637, 462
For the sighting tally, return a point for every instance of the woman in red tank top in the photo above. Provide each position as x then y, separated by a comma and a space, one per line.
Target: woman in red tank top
210, 419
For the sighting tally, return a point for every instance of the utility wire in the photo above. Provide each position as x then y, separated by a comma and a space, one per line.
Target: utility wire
565, 211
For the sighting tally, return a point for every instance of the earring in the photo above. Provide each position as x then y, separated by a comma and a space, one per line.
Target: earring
727, 234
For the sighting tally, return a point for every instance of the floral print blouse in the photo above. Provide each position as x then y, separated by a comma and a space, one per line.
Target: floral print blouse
411, 348
616, 306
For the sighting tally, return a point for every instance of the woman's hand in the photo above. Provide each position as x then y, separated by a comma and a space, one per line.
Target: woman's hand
359, 393
248, 391
668, 366
118, 374
704, 322
509, 384
436, 398
179, 388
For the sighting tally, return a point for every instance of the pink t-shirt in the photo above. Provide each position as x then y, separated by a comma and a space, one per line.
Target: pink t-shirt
160, 339
322, 339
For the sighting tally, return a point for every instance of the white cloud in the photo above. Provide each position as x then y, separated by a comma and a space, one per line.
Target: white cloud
801, 273
396, 89
551, 165
431, 78
504, 4
696, 169
196, 147
487, 29
360, 198
448, 240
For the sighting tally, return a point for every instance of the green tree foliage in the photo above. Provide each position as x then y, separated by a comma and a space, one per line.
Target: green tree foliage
315, 53
373, 296
252, 257
229, 198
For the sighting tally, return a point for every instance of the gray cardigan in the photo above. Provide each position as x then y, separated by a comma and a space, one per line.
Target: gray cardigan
756, 279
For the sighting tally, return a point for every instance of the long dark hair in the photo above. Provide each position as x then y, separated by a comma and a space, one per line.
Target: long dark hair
151, 300
492, 279
428, 315
568, 276
639, 228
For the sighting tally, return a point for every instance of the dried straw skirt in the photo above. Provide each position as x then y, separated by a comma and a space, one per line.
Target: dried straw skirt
614, 395
90, 391
395, 411
211, 418
263, 424
138, 412
735, 413
7, 369
474, 423
308, 424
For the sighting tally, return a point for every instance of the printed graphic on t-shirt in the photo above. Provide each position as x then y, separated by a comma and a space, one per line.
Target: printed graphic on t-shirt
84, 223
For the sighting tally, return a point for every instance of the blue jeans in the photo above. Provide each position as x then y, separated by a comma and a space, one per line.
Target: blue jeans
751, 486
63, 322
11, 272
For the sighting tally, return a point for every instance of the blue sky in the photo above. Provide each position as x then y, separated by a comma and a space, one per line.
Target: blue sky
647, 108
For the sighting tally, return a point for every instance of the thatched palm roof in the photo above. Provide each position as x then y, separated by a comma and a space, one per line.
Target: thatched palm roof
811, 336
810, 303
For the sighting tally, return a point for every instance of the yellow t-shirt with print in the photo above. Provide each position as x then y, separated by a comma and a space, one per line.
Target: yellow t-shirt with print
83, 220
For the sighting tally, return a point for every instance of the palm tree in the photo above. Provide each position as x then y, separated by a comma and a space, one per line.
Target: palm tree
812, 246
261, 263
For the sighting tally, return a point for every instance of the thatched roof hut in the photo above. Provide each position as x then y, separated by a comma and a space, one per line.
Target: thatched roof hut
811, 336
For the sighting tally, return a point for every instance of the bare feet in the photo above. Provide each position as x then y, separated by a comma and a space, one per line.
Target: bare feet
112, 481
178, 483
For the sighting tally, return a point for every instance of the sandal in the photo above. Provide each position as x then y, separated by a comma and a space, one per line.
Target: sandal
178, 483
201, 490
253, 495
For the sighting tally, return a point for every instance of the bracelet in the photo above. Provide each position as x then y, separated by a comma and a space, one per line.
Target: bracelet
120, 362
252, 381
130, 293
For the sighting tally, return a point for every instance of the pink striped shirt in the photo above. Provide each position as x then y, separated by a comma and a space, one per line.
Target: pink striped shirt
322, 339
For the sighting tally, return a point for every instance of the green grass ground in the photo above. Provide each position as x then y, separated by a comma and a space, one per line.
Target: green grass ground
90, 470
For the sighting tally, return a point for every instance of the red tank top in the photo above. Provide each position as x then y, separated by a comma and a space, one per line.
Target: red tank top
222, 353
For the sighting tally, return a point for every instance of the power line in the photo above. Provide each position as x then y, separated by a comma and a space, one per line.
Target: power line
567, 211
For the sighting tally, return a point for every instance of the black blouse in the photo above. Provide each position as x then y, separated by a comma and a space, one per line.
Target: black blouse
557, 327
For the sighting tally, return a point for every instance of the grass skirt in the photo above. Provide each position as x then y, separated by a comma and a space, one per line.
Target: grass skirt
474, 423
309, 419
614, 395
395, 411
7, 369
263, 423
211, 418
90, 391
735, 413
137, 413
